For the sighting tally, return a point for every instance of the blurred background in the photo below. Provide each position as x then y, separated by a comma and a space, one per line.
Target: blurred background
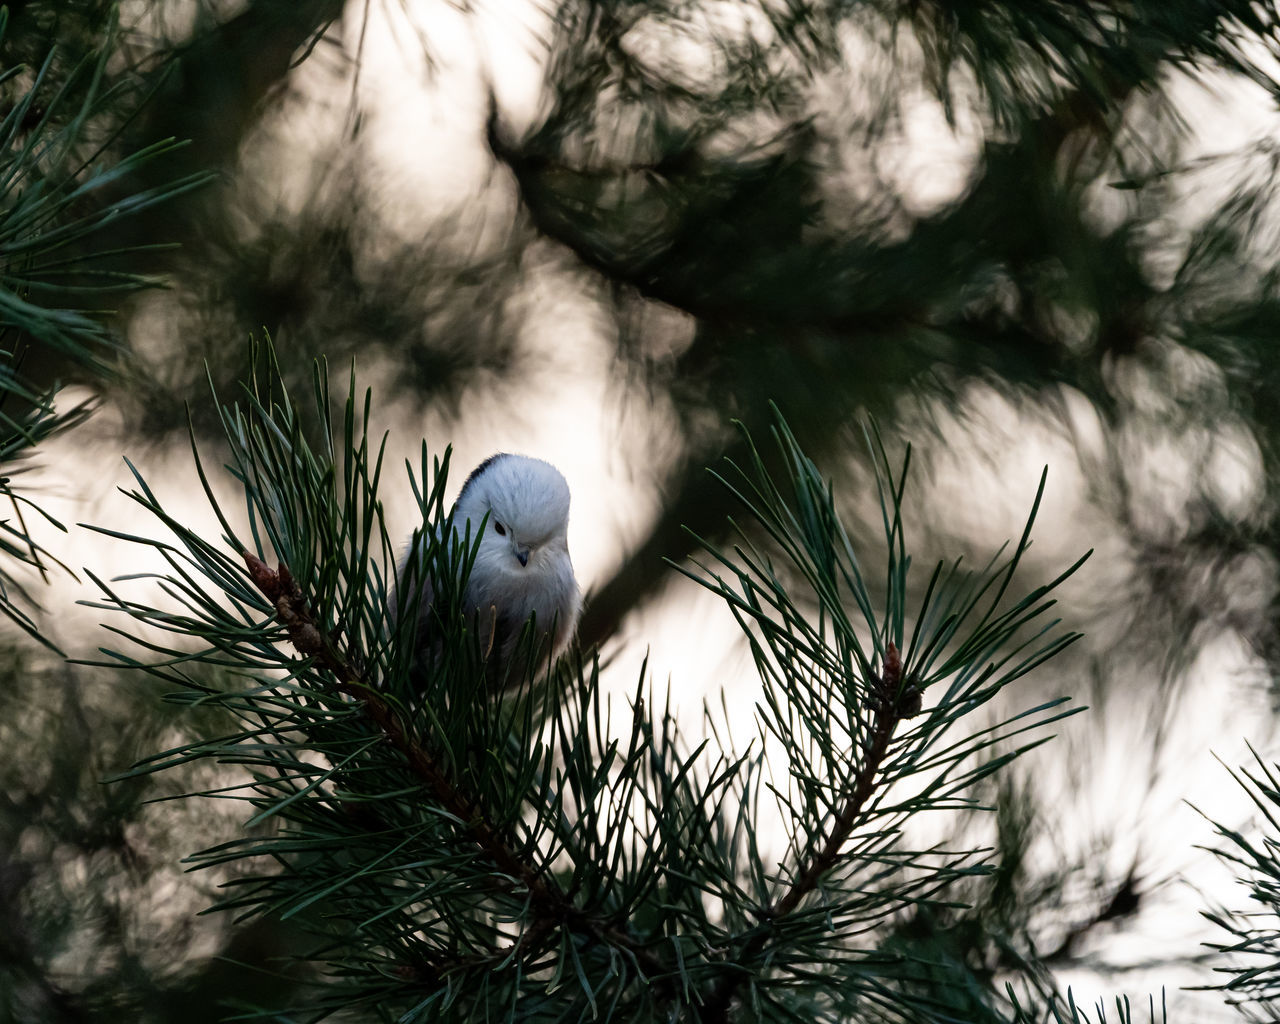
1018, 232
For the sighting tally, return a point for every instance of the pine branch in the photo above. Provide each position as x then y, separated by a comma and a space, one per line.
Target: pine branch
553, 907
59, 163
1251, 948
894, 703
428, 847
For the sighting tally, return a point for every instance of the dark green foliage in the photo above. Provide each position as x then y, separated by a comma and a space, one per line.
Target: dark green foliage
60, 179
1253, 949
60, 199
753, 207
1069, 1013
547, 856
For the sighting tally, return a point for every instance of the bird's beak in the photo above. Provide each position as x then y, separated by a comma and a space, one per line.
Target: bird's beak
523, 555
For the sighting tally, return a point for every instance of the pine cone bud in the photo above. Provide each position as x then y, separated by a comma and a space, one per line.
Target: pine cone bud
892, 673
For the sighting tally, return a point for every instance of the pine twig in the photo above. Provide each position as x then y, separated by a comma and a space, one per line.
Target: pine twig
894, 703
552, 906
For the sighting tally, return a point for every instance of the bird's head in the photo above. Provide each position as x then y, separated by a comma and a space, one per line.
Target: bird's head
527, 502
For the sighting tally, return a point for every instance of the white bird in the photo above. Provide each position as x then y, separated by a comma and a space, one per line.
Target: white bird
522, 567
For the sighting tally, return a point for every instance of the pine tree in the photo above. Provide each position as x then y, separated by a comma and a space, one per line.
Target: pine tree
662, 193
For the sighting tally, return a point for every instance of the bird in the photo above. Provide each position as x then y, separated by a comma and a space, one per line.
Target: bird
519, 505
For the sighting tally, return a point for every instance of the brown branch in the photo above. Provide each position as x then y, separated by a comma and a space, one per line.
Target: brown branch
553, 908
893, 702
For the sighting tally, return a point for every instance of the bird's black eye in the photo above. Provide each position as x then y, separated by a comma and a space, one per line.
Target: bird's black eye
502, 530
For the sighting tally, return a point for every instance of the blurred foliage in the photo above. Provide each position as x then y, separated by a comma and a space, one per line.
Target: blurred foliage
60, 202
732, 203
100, 916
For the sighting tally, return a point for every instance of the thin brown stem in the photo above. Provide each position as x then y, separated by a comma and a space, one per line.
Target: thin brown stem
552, 908
889, 710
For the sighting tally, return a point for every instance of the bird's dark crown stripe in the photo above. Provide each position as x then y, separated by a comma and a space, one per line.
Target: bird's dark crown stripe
479, 471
